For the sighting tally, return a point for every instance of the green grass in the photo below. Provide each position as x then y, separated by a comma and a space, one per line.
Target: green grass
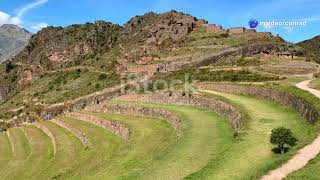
92, 161
60, 87
315, 84
5, 150
310, 172
251, 157
21, 151
206, 74
148, 137
205, 136
40, 154
69, 148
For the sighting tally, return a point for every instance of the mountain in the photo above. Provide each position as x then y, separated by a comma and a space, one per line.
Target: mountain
12, 40
312, 46
64, 63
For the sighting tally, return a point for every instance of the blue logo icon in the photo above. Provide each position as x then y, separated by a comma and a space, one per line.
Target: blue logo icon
253, 23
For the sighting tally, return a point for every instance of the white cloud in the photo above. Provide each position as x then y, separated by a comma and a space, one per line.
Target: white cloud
17, 19
8, 19
39, 26
30, 6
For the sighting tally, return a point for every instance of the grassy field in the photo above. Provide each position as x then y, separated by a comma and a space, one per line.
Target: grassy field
251, 157
315, 84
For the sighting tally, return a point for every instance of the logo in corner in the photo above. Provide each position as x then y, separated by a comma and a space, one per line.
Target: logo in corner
253, 23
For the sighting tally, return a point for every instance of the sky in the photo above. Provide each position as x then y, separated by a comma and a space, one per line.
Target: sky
34, 15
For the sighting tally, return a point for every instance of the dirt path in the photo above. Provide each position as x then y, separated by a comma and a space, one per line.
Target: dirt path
304, 155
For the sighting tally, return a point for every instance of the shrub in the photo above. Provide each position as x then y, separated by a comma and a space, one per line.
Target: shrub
281, 137
102, 77
98, 86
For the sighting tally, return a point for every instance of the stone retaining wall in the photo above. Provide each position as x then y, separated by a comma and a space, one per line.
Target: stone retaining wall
220, 107
305, 109
114, 127
83, 138
158, 113
49, 134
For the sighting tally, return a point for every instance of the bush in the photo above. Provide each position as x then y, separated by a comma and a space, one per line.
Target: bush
281, 137
102, 77
98, 86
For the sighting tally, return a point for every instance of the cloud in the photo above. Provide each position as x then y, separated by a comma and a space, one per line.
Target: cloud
30, 6
17, 19
39, 26
8, 19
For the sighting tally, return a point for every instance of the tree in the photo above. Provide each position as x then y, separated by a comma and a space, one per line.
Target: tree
281, 137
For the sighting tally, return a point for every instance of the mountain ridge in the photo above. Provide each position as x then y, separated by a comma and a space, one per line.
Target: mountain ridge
12, 40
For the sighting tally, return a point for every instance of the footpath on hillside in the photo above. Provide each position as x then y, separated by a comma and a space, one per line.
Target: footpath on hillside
304, 155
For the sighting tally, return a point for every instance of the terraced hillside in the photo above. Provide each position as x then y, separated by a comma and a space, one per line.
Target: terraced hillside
163, 97
143, 140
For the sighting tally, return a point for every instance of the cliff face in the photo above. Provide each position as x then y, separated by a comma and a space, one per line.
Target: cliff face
12, 40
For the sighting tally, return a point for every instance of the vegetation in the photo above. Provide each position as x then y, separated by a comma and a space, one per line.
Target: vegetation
282, 137
249, 157
207, 74
315, 84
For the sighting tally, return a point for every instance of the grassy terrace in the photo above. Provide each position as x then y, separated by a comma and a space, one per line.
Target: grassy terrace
69, 149
206, 150
5, 150
20, 148
40, 154
205, 135
250, 156
315, 84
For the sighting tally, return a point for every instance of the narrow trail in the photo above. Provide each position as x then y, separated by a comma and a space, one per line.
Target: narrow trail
306, 154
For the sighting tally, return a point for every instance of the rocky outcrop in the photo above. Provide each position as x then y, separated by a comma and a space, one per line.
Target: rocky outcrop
114, 127
53, 45
218, 106
304, 108
157, 113
4, 91
80, 135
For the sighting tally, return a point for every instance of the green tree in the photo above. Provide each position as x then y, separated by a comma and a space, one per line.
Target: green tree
281, 137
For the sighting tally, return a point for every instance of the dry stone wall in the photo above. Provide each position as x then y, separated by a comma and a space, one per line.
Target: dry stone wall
82, 136
49, 134
114, 127
305, 109
222, 108
158, 113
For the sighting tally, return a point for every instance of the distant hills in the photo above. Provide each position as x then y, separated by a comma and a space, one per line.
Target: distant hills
313, 47
13, 39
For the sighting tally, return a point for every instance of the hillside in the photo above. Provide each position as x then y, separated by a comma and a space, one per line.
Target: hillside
313, 47
12, 40
166, 95
146, 44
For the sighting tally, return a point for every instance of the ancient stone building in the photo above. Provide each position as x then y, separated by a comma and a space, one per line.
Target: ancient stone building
236, 30
212, 28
